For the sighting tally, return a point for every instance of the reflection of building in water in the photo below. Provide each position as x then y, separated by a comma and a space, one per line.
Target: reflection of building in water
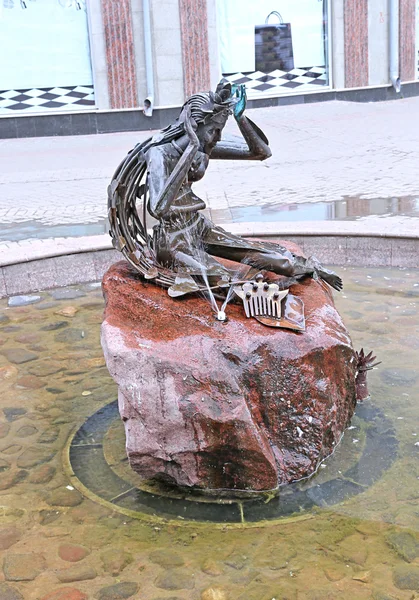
363, 207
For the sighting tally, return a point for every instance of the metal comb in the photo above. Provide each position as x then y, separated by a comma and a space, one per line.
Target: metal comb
261, 298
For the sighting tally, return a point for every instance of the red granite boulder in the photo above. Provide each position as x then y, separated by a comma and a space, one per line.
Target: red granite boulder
234, 406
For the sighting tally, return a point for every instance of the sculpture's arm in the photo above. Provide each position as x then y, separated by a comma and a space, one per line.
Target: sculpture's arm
164, 186
233, 148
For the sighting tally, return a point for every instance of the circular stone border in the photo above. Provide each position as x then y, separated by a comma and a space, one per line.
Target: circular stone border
36, 265
89, 472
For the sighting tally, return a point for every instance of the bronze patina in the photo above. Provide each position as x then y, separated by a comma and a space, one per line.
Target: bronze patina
156, 178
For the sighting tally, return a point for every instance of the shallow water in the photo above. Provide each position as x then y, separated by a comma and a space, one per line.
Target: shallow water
361, 544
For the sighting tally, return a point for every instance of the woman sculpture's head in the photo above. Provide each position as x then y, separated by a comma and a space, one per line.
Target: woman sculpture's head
209, 111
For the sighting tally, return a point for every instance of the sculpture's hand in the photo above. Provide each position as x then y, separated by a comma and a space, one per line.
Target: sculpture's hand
190, 126
239, 108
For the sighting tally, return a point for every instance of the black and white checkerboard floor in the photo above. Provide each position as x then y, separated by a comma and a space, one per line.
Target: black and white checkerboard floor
280, 82
44, 99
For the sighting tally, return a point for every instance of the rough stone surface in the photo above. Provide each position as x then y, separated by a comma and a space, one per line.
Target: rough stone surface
19, 356
65, 594
13, 414
119, 591
23, 567
8, 537
42, 474
34, 456
175, 579
405, 544
76, 573
9, 593
238, 405
23, 300
214, 593
12, 478
167, 558
65, 497
406, 577
115, 561
72, 552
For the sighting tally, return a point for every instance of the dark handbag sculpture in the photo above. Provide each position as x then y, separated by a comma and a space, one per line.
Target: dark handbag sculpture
273, 45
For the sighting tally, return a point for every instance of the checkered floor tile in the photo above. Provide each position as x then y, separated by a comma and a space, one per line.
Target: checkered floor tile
300, 80
44, 99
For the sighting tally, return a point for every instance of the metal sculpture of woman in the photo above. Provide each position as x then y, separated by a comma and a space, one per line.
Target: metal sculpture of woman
161, 171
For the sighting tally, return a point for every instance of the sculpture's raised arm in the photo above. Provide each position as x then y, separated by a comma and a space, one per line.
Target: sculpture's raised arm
231, 147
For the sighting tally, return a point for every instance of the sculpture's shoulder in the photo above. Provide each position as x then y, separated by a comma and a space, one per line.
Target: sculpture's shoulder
161, 158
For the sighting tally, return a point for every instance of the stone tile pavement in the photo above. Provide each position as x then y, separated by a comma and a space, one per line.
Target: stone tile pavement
321, 152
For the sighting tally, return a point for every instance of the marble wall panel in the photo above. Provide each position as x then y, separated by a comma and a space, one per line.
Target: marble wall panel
195, 53
356, 43
407, 45
120, 54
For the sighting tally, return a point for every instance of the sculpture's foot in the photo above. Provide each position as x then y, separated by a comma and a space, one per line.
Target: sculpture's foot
331, 278
327, 275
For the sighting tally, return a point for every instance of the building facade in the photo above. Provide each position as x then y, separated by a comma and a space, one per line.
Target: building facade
86, 66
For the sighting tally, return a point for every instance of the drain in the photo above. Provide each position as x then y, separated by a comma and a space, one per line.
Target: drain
99, 469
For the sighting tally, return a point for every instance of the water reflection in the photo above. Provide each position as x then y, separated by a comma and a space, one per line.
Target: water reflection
349, 209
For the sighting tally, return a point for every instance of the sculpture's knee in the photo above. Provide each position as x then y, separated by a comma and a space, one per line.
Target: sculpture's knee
284, 266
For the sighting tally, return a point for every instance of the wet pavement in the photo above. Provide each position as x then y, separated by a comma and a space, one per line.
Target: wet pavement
321, 153
60, 534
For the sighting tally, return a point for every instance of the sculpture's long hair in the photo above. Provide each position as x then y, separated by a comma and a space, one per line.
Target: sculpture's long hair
128, 228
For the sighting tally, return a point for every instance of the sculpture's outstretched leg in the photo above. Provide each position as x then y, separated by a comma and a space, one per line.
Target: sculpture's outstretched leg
268, 256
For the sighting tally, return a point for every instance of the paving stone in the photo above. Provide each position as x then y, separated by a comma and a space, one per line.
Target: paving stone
13, 413
72, 552
42, 474
12, 478
55, 326
70, 336
49, 436
166, 558
65, 593
4, 430
9, 593
30, 382
46, 517
46, 368
34, 456
119, 591
175, 579
65, 497
8, 372
67, 311
76, 573
28, 338
115, 561
9, 536
406, 577
26, 431
23, 567
23, 300
404, 543
66, 294
214, 593
19, 356
12, 449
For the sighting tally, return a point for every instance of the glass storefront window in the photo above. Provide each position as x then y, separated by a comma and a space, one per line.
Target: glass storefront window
44, 56
274, 46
